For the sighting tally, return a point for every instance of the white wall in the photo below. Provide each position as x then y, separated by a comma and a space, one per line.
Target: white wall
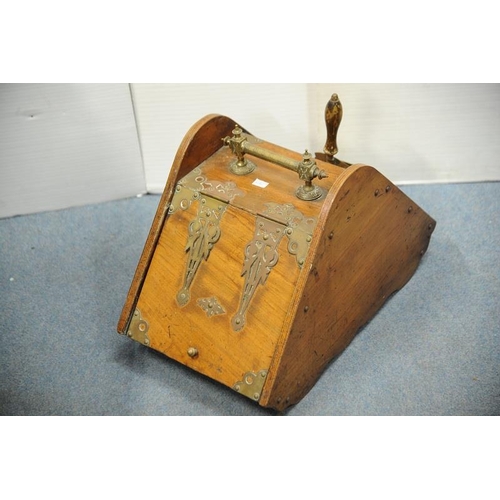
63, 145
165, 112
417, 133
412, 133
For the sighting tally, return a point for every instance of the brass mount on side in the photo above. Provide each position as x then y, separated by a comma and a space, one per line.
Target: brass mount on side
306, 168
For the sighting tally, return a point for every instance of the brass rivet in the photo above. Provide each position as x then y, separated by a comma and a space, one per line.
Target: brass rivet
263, 374
429, 227
146, 341
387, 189
237, 388
330, 236
309, 238
306, 309
410, 209
301, 261
192, 352
377, 192
256, 396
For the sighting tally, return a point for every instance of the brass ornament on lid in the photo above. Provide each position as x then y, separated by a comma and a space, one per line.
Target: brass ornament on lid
242, 165
196, 183
211, 306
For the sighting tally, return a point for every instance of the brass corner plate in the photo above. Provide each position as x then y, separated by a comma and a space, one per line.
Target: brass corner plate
138, 329
251, 385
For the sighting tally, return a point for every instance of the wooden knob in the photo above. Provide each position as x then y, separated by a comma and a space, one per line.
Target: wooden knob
333, 117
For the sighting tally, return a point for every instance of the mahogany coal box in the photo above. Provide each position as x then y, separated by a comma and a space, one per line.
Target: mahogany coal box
262, 263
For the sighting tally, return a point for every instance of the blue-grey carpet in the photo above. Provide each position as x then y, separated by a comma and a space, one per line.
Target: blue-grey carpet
433, 349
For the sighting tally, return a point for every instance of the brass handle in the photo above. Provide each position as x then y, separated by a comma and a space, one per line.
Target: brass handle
306, 168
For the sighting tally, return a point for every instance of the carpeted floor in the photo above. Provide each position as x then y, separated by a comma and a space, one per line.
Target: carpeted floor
433, 349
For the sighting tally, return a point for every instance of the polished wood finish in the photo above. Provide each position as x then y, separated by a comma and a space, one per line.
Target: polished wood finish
368, 240
333, 118
201, 141
368, 244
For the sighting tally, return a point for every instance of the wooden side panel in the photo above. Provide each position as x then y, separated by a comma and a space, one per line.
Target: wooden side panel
223, 353
369, 242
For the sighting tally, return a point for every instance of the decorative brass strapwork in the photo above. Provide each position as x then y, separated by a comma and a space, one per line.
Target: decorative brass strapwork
306, 168
261, 255
138, 328
204, 232
190, 188
252, 384
299, 231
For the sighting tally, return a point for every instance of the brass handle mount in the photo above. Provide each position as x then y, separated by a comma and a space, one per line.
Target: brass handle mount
305, 168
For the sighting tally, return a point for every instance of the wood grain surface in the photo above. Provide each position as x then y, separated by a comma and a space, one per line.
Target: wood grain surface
366, 240
368, 243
